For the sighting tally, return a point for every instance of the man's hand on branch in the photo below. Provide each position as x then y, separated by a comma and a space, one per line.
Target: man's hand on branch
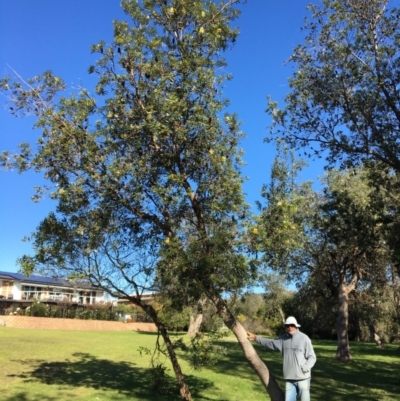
251, 336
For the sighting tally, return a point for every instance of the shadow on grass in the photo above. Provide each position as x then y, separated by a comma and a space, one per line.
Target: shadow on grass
155, 333
371, 375
235, 363
24, 396
86, 370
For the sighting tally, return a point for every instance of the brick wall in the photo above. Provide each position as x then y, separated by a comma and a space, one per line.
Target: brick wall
45, 323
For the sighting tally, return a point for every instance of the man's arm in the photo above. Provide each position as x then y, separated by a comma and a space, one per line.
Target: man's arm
275, 345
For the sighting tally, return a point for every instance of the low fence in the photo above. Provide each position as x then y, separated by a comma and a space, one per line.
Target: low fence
47, 323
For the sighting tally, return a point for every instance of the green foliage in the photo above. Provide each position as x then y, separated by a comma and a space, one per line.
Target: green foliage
158, 371
37, 309
283, 223
94, 312
14, 311
124, 309
212, 323
337, 236
343, 100
315, 308
203, 349
89, 312
159, 379
262, 313
250, 305
136, 313
158, 103
175, 320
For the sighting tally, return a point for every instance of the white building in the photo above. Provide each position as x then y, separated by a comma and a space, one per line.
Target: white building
19, 290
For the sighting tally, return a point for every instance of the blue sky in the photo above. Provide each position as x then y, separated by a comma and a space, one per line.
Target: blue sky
56, 35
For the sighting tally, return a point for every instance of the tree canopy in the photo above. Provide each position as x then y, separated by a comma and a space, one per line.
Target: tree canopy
147, 164
344, 101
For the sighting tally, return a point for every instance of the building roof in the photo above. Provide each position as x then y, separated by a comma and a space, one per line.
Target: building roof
36, 279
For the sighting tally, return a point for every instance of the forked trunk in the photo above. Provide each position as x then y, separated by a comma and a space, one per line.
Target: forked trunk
274, 391
183, 387
343, 349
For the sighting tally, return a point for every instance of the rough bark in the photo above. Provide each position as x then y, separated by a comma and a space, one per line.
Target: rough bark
274, 391
343, 349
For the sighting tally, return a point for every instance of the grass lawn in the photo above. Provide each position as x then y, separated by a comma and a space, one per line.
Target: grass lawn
107, 366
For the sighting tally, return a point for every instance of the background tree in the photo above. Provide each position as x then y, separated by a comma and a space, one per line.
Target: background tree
263, 313
316, 308
352, 244
344, 101
344, 94
148, 153
250, 311
333, 238
276, 296
369, 308
196, 317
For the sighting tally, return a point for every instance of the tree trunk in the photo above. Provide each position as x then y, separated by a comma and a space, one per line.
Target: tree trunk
183, 387
195, 322
376, 333
274, 391
281, 314
343, 349
358, 336
378, 340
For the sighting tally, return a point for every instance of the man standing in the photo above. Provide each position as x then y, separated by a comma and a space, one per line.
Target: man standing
298, 359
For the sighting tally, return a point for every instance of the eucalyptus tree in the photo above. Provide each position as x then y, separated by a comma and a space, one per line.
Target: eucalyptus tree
371, 310
354, 246
344, 95
333, 238
343, 102
317, 307
150, 152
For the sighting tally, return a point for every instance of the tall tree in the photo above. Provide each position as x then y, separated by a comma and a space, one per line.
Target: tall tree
332, 238
344, 96
149, 153
344, 101
352, 246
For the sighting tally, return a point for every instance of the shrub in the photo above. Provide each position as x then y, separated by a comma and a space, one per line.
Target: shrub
37, 309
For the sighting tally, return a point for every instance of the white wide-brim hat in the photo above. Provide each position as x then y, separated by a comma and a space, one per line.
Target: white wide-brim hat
291, 320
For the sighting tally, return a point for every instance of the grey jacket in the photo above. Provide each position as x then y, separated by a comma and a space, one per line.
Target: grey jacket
297, 351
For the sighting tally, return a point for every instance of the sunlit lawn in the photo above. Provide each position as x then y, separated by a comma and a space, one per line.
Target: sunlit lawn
106, 366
